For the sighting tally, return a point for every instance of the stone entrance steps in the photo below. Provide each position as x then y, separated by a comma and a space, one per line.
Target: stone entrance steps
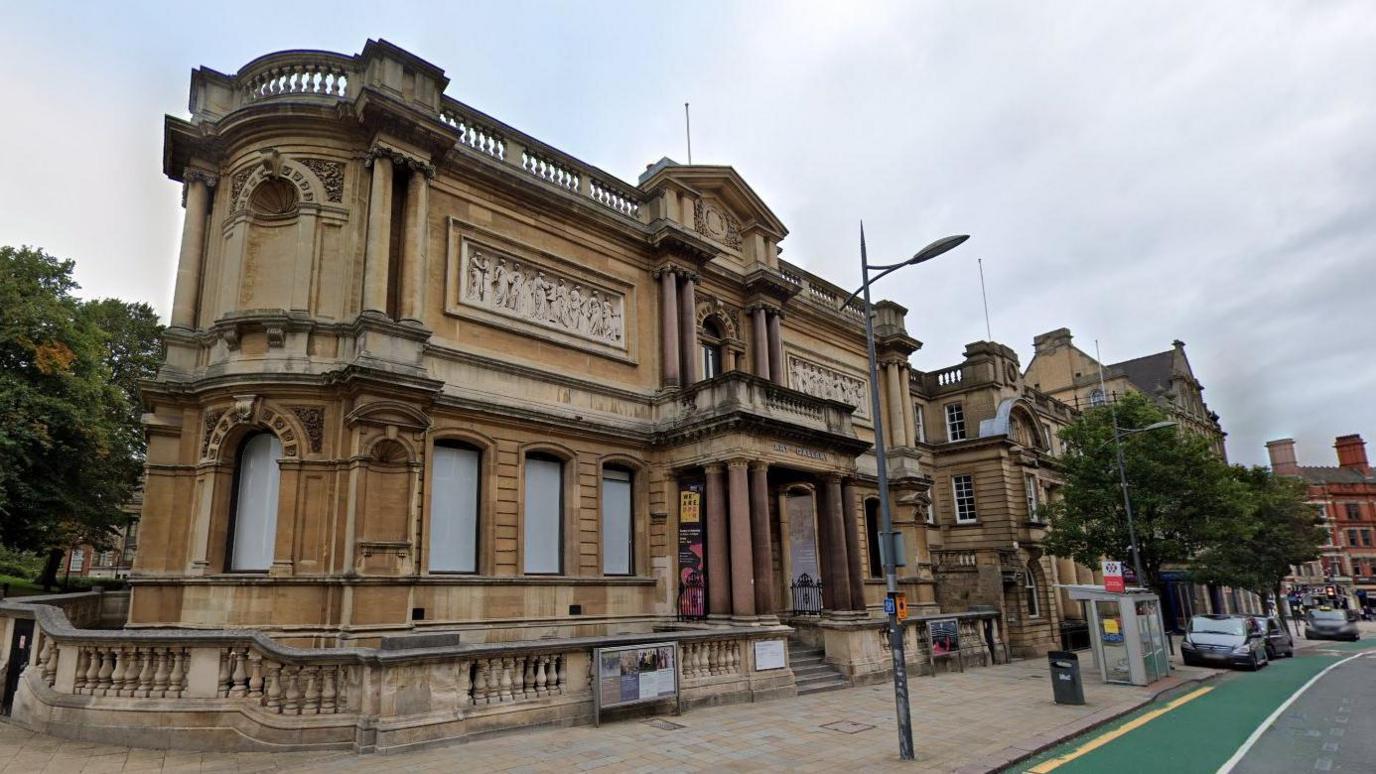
811, 671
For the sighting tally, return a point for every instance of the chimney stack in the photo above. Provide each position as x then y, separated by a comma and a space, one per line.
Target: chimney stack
1352, 454
1282, 453
1051, 340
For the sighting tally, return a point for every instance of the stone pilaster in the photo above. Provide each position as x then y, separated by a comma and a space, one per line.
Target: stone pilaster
742, 555
413, 255
669, 322
759, 537
192, 256
378, 244
718, 567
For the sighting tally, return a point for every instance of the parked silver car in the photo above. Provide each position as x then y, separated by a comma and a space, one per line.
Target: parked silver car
1326, 623
1224, 640
1279, 643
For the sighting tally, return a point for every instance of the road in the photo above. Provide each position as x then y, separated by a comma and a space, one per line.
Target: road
1329, 726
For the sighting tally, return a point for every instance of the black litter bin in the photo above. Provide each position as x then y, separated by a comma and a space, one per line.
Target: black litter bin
1065, 677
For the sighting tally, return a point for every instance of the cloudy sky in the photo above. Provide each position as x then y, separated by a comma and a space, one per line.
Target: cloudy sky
1137, 172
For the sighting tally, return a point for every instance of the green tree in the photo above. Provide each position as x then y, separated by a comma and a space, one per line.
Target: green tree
71, 447
1276, 531
1179, 490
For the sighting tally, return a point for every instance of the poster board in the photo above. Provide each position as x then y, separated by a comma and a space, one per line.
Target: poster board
943, 641
634, 674
769, 654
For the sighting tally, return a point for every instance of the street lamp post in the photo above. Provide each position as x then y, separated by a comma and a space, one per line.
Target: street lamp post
887, 534
1118, 437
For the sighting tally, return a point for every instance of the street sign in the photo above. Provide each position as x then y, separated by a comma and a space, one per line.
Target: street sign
902, 606
896, 603
890, 606
1113, 577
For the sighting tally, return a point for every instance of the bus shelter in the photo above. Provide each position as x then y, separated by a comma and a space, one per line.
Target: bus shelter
1126, 633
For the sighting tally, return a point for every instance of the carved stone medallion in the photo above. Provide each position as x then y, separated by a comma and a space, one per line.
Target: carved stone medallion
715, 223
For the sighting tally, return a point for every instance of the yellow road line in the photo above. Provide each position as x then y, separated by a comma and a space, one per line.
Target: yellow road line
1103, 739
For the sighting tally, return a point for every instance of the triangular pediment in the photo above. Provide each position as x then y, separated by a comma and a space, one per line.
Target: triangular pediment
725, 205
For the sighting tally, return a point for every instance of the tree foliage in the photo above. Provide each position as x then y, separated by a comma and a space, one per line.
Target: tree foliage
1182, 494
71, 446
1279, 530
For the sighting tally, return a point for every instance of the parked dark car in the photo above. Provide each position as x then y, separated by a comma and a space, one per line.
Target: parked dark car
1224, 640
1330, 624
1279, 643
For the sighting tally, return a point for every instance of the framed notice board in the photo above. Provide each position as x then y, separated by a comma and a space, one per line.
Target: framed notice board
634, 674
943, 641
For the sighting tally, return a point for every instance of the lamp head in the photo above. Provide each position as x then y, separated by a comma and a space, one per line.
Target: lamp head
937, 248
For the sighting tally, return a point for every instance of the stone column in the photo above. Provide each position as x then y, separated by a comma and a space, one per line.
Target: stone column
192, 256
1084, 576
1065, 573
688, 330
760, 331
742, 556
668, 323
897, 436
909, 415
759, 538
854, 573
378, 244
776, 348
838, 565
414, 248
718, 569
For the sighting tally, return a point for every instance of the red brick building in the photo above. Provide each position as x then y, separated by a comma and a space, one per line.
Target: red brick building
1346, 499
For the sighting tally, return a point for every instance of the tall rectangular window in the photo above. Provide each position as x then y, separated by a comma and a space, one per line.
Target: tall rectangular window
544, 511
617, 533
1354, 511
1030, 484
872, 538
454, 509
921, 425
931, 511
955, 422
963, 489
1352, 537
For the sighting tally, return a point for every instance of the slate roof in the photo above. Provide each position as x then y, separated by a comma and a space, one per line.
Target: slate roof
1151, 373
1324, 474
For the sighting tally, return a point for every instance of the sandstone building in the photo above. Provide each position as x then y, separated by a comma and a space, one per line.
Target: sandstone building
425, 371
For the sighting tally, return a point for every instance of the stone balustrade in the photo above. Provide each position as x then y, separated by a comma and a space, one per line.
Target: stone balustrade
242, 690
819, 294
743, 397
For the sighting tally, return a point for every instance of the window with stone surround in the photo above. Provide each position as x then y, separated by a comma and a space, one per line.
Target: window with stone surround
253, 523
955, 422
963, 493
921, 428
876, 564
710, 340
454, 502
1034, 607
1030, 485
1354, 511
618, 522
543, 544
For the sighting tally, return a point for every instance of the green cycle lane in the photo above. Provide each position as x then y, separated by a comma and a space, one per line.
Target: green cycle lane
1198, 735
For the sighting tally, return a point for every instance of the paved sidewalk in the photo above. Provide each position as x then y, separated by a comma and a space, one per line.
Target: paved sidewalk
975, 721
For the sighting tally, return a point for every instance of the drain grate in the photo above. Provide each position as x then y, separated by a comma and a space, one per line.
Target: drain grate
664, 725
847, 726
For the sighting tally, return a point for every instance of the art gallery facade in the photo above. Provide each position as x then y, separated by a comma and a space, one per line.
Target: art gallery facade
427, 375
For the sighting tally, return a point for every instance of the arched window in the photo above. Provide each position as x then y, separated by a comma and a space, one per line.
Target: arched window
544, 515
711, 341
1096, 398
454, 498
1034, 607
618, 522
253, 526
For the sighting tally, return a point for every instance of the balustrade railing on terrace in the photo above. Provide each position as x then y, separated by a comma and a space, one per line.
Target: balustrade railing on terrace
821, 294
323, 76
246, 673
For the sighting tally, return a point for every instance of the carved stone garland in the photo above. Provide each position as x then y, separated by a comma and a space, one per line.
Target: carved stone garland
313, 421
243, 412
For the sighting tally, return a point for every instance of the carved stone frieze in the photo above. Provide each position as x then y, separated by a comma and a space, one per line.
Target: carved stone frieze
715, 223
236, 183
711, 306
208, 422
313, 421
400, 159
331, 174
521, 290
822, 382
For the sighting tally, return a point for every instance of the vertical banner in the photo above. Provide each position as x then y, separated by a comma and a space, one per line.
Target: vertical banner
691, 561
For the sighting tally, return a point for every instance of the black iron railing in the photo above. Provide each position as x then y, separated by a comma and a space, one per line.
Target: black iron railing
692, 599
807, 595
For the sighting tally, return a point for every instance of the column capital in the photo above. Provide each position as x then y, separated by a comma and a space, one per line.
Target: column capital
400, 159
763, 306
739, 462
199, 175
759, 465
713, 467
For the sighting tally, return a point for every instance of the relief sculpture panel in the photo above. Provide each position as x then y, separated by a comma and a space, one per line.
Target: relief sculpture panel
521, 290
822, 382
